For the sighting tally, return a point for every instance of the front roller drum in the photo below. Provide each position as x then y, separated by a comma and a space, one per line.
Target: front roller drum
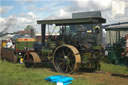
66, 59
31, 59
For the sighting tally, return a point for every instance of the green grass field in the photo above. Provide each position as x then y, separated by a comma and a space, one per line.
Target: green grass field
114, 68
17, 74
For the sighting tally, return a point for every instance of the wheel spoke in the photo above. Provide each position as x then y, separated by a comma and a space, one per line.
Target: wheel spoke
61, 63
69, 67
60, 59
69, 53
63, 52
66, 69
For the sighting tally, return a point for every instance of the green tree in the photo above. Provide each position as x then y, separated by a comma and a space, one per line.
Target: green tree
28, 27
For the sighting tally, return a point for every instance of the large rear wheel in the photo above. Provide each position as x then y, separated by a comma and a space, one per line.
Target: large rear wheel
66, 59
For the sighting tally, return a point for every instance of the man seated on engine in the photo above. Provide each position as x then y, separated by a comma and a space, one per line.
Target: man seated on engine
125, 53
37, 46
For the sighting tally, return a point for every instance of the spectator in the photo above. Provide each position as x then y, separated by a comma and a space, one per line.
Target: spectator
125, 53
9, 44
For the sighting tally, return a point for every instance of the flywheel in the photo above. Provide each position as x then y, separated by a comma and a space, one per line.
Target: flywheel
66, 59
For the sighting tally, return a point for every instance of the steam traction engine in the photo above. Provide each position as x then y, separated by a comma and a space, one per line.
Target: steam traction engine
78, 44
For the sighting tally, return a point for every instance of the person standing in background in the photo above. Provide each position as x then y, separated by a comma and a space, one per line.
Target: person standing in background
125, 53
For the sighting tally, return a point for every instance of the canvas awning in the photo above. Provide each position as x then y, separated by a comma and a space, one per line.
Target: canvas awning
122, 27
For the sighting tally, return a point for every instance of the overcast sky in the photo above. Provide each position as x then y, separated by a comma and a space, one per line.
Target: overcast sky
16, 14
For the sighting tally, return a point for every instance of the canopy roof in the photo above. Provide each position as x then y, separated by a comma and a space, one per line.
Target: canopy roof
89, 20
123, 27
